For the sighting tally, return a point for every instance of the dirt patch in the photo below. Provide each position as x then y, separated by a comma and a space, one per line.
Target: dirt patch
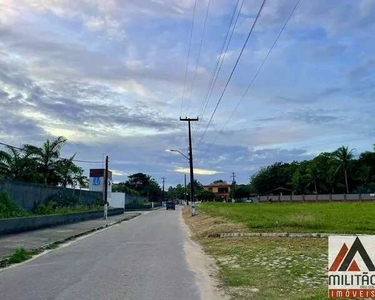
204, 267
204, 226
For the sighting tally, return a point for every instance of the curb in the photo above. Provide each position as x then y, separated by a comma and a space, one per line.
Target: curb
280, 234
4, 261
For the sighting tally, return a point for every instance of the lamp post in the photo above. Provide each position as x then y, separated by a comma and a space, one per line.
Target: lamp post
191, 183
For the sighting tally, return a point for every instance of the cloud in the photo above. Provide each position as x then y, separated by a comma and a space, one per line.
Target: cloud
197, 171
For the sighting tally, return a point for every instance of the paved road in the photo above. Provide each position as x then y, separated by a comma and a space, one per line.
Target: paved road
138, 259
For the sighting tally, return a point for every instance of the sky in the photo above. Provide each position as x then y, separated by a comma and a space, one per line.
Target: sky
111, 77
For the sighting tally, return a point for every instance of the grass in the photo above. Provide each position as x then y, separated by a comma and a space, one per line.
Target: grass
20, 255
297, 217
275, 267
271, 268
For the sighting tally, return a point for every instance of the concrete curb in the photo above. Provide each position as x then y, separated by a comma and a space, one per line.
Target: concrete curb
279, 234
4, 261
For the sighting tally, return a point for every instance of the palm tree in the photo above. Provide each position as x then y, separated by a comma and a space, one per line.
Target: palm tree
344, 156
314, 176
15, 164
48, 156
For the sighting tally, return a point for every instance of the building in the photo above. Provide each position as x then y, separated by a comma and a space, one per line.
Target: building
97, 179
220, 189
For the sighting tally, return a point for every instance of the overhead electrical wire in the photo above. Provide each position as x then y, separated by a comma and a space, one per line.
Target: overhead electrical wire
188, 58
198, 58
232, 72
220, 60
254, 77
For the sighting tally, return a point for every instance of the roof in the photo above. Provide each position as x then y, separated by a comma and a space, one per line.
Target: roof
218, 184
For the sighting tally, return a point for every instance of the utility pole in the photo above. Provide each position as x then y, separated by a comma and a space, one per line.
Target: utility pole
186, 201
163, 188
233, 186
192, 196
106, 189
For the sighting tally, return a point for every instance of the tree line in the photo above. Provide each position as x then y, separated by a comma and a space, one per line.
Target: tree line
329, 172
140, 184
43, 165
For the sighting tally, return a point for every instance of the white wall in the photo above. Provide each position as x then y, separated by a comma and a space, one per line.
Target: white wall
117, 200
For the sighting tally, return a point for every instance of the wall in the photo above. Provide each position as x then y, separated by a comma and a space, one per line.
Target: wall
117, 199
26, 194
317, 198
31, 223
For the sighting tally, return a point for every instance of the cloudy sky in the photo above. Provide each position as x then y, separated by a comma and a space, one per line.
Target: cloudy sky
109, 75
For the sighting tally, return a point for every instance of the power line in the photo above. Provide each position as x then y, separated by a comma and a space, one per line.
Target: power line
221, 60
76, 160
255, 75
199, 54
188, 59
204, 102
232, 72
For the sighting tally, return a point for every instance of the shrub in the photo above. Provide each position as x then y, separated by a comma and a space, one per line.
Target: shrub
8, 208
60, 200
19, 255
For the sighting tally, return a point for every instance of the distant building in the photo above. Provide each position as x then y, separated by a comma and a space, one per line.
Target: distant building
96, 183
220, 189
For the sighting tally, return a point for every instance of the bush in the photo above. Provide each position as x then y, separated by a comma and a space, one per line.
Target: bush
9, 209
60, 200
19, 255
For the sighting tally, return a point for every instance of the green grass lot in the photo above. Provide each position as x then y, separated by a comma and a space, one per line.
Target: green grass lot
271, 268
297, 217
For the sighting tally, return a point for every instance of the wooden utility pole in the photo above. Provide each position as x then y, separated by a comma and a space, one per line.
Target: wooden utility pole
233, 185
163, 178
192, 196
186, 201
106, 188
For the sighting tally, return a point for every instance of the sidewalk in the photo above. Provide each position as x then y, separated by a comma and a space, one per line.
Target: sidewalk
39, 239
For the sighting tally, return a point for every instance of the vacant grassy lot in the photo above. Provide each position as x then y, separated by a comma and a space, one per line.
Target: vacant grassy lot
297, 217
275, 267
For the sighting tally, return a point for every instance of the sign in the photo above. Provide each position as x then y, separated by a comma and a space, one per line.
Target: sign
96, 181
351, 269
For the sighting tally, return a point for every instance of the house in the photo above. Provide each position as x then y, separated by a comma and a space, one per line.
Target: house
220, 189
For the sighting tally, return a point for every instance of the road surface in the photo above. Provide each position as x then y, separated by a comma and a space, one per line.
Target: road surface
139, 259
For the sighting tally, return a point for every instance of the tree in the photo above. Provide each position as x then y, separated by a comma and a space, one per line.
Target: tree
344, 156
204, 195
197, 187
313, 174
219, 181
145, 185
15, 164
68, 173
242, 191
47, 157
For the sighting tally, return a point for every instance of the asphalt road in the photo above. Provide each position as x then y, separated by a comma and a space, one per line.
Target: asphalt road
138, 259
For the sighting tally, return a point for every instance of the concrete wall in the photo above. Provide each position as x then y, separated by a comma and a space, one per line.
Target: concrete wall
117, 200
26, 194
15, 225
320, 198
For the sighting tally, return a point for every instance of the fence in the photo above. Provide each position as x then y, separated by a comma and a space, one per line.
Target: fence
27, 194
317, 198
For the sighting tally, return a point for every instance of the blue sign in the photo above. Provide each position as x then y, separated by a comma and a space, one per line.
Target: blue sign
96, 181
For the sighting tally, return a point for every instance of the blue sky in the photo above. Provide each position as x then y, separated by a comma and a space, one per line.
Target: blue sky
109, 76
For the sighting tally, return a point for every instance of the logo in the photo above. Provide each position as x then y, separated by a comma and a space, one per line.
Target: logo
96, 181
351, 270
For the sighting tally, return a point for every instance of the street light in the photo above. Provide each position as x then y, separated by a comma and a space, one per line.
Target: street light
178, 151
